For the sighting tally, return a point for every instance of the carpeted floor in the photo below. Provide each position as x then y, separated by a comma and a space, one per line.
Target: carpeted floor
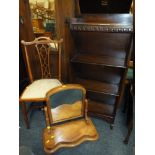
110, 141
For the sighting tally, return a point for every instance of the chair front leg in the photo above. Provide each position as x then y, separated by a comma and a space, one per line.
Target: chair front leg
24, 111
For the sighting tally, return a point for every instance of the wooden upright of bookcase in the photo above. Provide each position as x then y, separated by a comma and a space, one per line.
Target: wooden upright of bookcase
102, 49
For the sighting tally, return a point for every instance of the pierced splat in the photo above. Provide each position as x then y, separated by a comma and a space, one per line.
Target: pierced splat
44, 58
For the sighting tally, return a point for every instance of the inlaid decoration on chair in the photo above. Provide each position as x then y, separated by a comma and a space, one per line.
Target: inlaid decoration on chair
36, 91
66, 118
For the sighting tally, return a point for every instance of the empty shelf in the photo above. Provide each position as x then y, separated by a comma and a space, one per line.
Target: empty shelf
99, 60
96, 86
100, 108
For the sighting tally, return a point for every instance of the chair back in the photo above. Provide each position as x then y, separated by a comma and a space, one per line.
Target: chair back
44, 46
66, 102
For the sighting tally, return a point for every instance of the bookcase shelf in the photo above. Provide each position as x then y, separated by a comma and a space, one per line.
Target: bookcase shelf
98, 87
101, 108
98, 60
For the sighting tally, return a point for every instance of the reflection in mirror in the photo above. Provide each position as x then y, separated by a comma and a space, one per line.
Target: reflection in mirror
66, 104
43, 18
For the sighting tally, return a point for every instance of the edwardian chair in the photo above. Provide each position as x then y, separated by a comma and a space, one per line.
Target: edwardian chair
66, 118
36, 91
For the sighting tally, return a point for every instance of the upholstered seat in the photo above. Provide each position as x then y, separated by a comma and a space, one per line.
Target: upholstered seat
39, 88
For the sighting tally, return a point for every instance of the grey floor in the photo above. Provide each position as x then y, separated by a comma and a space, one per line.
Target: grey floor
110, 141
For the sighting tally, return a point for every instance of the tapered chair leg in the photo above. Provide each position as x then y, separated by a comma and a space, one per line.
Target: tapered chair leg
24, 110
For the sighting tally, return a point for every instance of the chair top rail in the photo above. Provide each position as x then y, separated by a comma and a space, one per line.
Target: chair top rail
41, 40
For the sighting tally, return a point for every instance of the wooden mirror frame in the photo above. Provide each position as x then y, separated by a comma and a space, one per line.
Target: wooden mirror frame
67, 117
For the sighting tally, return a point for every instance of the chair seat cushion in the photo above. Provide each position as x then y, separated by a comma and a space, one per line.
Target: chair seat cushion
39, 88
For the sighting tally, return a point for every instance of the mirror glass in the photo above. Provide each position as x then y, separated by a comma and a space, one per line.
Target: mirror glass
43, 18
66, 104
